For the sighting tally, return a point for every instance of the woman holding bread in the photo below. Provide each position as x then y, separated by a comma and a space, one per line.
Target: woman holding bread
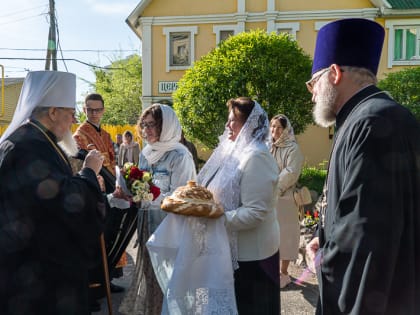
242, 175
171, 166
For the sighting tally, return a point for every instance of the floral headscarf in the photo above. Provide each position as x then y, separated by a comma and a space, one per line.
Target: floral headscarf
287, 136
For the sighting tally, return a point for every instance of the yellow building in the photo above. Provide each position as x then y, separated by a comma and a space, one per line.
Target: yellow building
12, 87
176, 33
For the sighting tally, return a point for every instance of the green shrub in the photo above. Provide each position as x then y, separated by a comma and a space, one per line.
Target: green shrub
270, 68
313, 177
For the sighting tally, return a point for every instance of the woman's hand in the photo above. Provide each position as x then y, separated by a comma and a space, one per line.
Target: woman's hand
311, 250
119, 193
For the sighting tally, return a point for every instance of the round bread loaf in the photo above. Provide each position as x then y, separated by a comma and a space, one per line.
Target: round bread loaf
193, 200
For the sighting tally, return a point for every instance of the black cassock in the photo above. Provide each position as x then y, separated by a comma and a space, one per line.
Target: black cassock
50, 222
120, 226
371, 238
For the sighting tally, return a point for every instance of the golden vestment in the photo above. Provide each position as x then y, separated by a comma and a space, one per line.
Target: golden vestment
88, 134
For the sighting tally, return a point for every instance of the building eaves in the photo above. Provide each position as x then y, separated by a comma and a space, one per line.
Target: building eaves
133, 20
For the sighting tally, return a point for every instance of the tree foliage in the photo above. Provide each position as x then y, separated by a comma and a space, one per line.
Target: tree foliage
121, 90
404, 88
270, 68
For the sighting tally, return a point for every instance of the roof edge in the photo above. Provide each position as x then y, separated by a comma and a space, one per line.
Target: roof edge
133, 17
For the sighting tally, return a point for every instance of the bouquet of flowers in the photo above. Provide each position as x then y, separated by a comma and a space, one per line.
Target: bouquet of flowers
310, 220
136, 183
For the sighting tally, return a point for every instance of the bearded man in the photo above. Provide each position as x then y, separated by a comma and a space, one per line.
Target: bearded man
50, 219
368, 244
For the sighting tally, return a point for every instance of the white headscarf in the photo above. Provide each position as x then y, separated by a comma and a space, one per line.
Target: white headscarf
43, 89
169, 138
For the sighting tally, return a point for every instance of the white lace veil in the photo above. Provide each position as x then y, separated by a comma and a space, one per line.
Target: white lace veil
222, 172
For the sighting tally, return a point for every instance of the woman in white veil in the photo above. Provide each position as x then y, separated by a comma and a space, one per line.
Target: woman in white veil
242, 175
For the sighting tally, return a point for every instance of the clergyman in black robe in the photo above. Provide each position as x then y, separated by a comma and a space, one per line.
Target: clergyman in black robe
49, 219
368, 246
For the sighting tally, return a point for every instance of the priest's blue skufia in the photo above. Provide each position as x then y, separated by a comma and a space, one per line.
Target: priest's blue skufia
349, 42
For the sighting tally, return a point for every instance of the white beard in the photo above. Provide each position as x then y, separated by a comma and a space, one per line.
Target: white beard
68, 144
323, 111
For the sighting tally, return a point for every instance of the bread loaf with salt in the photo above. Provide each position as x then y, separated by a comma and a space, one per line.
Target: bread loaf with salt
193, 200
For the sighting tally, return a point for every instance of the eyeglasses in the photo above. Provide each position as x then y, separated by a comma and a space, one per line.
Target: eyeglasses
149, 125
71, 111
94, 110
311, 83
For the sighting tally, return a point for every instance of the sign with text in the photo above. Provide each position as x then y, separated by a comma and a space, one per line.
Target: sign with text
167, 86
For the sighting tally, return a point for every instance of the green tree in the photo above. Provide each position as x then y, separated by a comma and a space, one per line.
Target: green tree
404, 88
120, 86
270, 68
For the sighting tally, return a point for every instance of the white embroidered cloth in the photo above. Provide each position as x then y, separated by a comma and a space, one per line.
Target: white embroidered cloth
192, 262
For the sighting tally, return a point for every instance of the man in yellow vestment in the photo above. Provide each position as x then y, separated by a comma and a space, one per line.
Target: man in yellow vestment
89, 135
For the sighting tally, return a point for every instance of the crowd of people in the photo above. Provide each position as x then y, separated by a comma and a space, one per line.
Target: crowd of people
53, 214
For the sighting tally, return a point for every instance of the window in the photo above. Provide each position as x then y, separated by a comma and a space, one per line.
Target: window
403, 42
179, 50
289, 28
224, 31
179, 47
225, 35
405, 39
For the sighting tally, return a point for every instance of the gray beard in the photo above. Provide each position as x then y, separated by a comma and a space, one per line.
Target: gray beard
323, 111
68, 144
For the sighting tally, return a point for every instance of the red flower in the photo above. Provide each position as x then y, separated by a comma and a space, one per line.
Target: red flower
155, 190
135, 173
316, 214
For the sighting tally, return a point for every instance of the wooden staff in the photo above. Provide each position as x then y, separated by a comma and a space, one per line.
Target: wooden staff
106, 273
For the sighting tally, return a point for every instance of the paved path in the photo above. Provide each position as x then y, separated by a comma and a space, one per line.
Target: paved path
299, 297
296, 299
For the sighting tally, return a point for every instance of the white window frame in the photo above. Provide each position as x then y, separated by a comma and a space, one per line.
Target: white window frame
167, 32
217, 29
291, 28
392, 25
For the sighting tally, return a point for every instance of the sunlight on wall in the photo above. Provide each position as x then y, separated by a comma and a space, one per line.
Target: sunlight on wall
113, 130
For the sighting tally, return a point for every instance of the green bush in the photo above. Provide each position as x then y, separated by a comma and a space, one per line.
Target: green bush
270, 68
404, 88
313, 177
